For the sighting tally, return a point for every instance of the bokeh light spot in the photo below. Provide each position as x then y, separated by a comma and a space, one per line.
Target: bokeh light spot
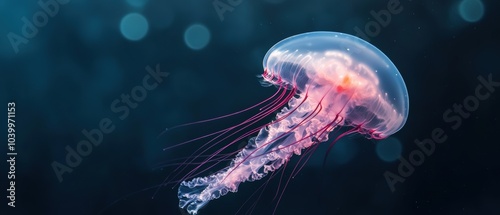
197, 36
389, 149
471, 10
134, 26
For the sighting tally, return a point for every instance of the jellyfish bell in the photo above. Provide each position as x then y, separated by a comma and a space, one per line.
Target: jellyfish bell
354, 73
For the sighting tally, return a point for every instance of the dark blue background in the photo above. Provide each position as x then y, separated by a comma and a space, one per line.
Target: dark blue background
67, 76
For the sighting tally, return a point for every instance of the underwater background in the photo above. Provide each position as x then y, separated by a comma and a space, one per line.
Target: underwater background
70, 67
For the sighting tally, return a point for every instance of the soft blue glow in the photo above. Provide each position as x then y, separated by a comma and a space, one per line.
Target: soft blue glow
471, 10
197, 36
389, 149
134, 26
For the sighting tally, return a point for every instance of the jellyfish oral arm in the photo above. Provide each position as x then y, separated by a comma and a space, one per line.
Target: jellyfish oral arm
300, 128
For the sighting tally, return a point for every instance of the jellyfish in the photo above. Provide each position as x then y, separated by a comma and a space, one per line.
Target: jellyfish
329, 85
